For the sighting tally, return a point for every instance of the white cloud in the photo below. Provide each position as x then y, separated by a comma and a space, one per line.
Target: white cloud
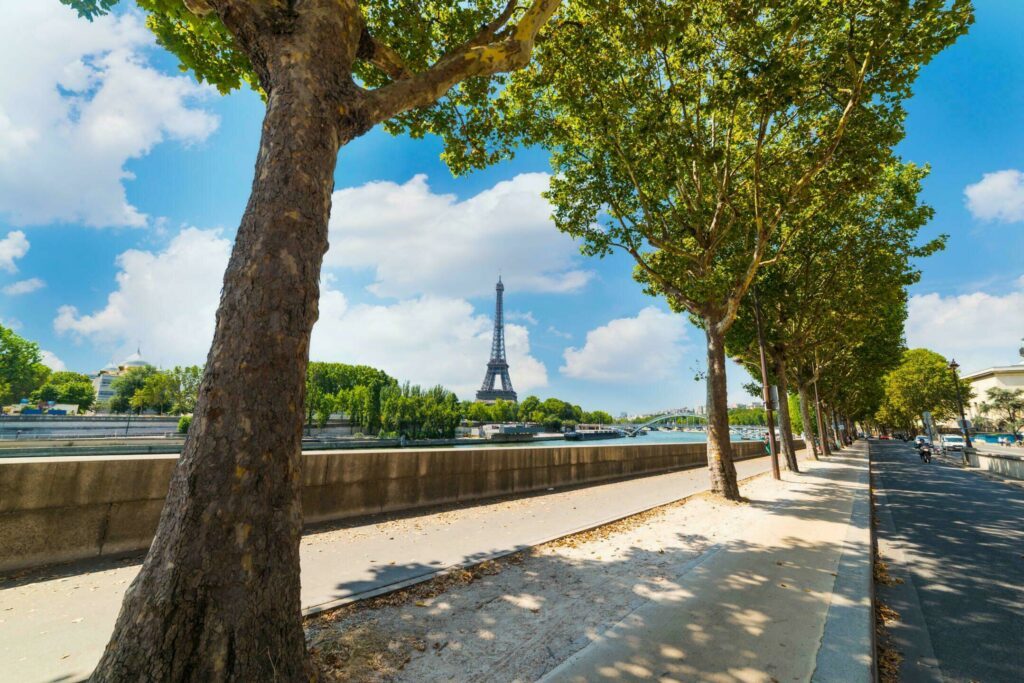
78, 99
640, 349
428, 340
997, 196
980, 330
521, 316
12, 247
51, 361
417, 242
24, 287
166, 303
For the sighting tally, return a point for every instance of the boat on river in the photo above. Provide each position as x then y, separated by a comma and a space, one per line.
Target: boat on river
585, 432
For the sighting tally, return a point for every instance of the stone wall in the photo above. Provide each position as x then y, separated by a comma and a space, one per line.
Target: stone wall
60, 509
1006, 465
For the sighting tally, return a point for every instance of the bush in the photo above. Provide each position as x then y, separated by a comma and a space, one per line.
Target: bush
184, 423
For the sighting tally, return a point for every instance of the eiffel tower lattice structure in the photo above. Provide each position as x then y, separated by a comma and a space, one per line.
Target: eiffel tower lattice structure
497, 366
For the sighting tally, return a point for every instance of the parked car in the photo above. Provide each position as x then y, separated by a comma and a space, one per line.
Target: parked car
951, 442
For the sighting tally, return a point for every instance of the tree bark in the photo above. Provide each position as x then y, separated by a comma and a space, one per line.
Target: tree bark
720, 463
218, 598
822, 434
785, 424
805, 417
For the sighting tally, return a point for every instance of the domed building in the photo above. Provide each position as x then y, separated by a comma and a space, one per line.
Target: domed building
134, 361
103, 380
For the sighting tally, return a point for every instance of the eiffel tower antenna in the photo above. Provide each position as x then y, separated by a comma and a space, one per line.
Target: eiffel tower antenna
497, 366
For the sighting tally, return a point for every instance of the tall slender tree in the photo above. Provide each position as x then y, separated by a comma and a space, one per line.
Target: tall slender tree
218, 595
842, 278
687, 133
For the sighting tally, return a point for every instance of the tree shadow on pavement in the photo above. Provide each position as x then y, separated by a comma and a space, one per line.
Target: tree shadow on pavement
964, 542
695, 608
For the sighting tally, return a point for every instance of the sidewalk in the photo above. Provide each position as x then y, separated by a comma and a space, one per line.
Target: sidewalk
787, 599
775, 589
54, 623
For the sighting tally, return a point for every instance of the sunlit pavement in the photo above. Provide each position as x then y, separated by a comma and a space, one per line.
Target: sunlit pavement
957, 540
787, 599
55, 622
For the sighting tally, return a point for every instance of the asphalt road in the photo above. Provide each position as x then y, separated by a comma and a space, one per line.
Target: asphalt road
956, 538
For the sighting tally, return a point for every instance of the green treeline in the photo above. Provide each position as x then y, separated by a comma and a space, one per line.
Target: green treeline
165, 392
375, 402
23, 376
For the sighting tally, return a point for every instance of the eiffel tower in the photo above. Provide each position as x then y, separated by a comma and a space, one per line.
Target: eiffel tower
497, 366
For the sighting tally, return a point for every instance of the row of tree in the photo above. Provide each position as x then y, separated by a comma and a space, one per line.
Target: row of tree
744, 159
923, 383
728, 147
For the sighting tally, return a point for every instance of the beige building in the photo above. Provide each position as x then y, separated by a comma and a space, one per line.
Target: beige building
1010, 377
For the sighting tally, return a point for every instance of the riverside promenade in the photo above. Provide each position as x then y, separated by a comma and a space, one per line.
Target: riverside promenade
54, 623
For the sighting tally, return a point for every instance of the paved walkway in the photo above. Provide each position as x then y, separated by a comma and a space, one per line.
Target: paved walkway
786, 599
956, 540
54, 624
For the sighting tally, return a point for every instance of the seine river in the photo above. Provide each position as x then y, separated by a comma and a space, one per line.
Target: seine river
650, 437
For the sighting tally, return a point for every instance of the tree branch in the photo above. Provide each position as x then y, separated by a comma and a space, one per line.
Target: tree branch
480, 56
382, 56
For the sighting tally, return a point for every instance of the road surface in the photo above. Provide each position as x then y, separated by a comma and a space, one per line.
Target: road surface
956, 538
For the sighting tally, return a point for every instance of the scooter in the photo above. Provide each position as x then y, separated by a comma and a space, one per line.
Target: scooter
925, 452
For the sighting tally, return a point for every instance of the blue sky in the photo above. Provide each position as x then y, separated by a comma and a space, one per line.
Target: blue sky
127, 180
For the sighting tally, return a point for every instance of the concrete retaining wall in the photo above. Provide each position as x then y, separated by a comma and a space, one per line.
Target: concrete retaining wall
1007, 465
60, 509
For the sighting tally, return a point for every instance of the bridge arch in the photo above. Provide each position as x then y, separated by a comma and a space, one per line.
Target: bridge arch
663, 418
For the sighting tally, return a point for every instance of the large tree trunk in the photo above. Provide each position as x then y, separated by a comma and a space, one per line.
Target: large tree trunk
805, 417
218, 595
785, 424
720, 464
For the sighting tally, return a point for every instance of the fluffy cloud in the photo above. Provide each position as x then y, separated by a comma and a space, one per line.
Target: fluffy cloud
77, 101
51, 361
12, 248
640, 349
24, 287
979, 329
997, 196
416, 241
166, 302
428, 340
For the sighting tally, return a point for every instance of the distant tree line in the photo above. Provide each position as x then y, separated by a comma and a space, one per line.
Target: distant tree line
23, 376
375, 403
165, 392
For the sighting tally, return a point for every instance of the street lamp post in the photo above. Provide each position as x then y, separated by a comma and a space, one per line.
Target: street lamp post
953, 365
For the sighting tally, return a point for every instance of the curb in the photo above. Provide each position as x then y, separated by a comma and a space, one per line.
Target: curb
847, 651
873, 526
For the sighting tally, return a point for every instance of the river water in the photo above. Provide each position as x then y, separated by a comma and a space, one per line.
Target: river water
650, 437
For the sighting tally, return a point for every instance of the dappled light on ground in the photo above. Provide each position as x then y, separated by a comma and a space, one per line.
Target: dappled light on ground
657, 590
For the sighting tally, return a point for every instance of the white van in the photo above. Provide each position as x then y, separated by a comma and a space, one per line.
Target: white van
951, 442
